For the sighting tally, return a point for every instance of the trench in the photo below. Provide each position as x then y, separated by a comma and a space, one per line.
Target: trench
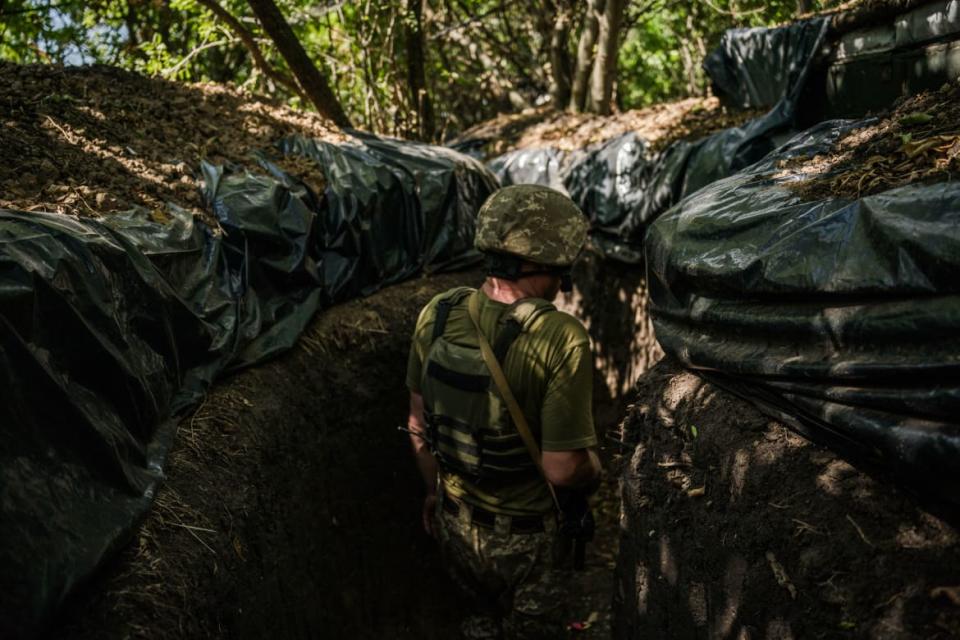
291, 507
334, 526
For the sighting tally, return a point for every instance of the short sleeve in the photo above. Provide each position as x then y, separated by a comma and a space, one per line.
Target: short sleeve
414, 368
418, 346
567, 414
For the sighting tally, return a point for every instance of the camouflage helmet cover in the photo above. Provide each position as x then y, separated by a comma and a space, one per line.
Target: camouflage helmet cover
534, 222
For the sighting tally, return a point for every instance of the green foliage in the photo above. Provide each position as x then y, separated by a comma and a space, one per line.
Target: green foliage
31, 33
360, 47
156, 57
482, 57
144, 35
651, 69
661, 54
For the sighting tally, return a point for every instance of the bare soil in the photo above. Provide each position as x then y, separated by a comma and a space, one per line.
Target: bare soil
735, 527
93, 140
291, 503
661, 125
917, 141
611, 299
290, 507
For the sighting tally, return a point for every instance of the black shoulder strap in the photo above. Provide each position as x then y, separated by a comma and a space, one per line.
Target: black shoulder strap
448, 302
507, 335
518, 318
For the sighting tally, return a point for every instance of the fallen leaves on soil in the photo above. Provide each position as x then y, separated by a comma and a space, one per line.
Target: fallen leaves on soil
660, 125
94, 140
918, 142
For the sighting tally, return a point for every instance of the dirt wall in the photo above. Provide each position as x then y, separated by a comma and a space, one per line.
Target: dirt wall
610, 298
291, 506
733, 526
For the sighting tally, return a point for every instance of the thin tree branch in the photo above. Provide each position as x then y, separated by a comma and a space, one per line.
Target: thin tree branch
250, 42
643, 11
311, 80
472, 19
733, 13
203, 47
36, 9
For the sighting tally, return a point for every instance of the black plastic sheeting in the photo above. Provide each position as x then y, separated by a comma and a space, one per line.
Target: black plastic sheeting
842, 318
754, 68
548, 167
622, 186
111, 329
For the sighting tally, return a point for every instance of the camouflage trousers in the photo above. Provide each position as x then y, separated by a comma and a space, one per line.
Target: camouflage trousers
513, 578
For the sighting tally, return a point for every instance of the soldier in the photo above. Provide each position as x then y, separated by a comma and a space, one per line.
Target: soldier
495, 375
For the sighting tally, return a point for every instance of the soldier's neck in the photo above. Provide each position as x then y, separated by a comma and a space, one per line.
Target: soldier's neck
508, 291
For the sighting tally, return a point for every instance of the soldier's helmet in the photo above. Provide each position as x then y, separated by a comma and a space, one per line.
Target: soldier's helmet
533, 222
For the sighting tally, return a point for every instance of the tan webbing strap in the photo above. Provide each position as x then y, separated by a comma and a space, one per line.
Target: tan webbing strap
473, 307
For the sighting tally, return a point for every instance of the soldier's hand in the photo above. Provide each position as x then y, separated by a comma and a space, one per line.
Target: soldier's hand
429, 510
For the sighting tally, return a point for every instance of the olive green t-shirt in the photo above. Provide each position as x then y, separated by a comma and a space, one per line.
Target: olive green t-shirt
549, 369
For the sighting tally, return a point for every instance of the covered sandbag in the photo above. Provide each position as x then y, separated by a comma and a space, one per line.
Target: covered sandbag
756, 67
623, 184
111, 329
839, 316
545, 166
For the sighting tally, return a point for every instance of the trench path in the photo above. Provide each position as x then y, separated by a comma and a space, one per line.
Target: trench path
591, 593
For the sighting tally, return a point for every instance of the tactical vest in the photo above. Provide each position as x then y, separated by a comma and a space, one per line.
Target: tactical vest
468, 423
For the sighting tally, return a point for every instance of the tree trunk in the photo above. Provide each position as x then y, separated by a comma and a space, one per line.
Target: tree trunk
416, 78
251, 45
313, 82
692, 53
804, 7
689, 70
605, 62
560, 62
588, 38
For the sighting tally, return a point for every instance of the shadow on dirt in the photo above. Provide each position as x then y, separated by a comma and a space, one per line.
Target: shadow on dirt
611, 299
292, 505
92, 140
735, 527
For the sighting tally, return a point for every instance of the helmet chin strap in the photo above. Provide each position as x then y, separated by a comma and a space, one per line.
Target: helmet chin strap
508, 267
566, 280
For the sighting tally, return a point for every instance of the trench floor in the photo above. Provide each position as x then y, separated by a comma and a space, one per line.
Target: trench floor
593, 589
263, 528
